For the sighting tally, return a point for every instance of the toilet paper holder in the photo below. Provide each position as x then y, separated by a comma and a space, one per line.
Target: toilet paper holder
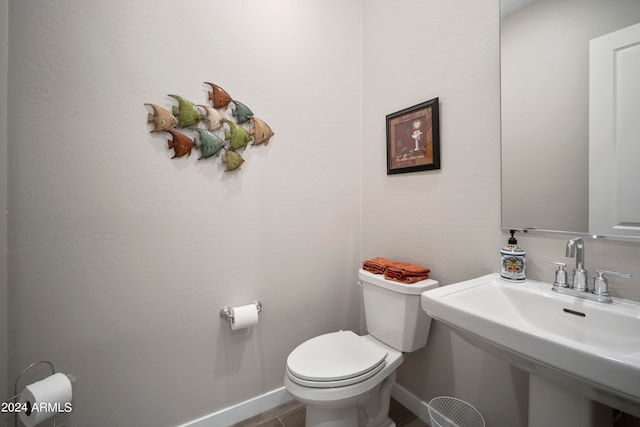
227, 312
16, 395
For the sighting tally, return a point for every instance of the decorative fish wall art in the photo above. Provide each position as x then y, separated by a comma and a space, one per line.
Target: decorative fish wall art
214, 129
237, 136
214, 118
209, 143
260, 131
161, 118
241, 112
219, 96
232, 159
181, 143
186, 113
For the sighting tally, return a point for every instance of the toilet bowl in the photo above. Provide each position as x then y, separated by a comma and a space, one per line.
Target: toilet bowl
346, 379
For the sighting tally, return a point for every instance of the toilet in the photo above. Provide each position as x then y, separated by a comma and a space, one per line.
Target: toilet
345, 379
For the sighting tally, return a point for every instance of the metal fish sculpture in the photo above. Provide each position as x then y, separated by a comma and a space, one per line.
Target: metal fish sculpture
186, 113
260, 131
232, 159
241, 112
209, 143
181, 143
219, 96
161, 118
237, 136
214, 118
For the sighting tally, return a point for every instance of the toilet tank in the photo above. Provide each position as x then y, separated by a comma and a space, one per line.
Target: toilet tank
393, 312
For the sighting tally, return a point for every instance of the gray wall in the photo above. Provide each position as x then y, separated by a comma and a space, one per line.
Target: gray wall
450, 219
102, 218
121, 257
4, 32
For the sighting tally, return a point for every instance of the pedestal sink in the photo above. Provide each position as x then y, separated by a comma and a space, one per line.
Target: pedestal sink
577, 352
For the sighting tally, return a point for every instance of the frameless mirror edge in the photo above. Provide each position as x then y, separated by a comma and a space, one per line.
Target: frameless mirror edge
607, 237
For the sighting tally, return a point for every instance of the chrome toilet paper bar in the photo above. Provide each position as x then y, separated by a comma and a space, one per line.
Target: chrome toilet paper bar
227, 312
26, 370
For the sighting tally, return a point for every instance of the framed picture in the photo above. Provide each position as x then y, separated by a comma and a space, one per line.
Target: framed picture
413, 138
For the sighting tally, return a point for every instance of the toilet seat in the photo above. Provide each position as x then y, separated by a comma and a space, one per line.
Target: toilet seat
336, 359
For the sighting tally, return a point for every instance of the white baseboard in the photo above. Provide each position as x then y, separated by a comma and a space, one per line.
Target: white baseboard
279, 396
242, 410
411, 402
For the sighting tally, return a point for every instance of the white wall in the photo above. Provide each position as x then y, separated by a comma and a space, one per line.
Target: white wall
449, 219
121, 257
101, 218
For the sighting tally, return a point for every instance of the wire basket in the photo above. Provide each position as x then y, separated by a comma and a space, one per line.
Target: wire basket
451, 412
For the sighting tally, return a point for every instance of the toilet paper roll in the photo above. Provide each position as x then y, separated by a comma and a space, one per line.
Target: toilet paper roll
45, 398
244, 316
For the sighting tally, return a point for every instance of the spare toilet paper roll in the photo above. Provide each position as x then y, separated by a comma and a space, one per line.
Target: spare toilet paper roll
244, 316
46, 397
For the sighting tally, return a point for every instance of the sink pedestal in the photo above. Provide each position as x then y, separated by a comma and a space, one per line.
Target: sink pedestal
551, 405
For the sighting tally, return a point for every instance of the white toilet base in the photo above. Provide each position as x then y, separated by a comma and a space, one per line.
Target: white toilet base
332, 417
343, 417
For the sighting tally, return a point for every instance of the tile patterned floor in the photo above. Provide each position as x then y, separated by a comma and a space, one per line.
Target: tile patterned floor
292, 414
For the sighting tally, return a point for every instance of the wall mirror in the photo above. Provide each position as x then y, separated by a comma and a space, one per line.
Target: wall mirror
570, 97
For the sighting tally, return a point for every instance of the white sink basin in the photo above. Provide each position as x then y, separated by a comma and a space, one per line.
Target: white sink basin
596, 345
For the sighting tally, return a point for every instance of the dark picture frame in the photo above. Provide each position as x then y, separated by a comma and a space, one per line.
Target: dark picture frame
413, 138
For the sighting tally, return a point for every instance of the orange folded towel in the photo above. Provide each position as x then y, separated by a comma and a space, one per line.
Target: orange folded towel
377, 265
406, 272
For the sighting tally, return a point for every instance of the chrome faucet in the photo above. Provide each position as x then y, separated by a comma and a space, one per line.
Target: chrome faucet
575, 248
578, 286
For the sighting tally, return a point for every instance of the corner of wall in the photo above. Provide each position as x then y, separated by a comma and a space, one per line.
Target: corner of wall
4, 46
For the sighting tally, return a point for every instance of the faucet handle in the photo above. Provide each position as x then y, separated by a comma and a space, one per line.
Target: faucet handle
561, 275
600, 286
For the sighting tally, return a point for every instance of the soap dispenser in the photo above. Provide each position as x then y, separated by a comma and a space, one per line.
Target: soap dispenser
513, 261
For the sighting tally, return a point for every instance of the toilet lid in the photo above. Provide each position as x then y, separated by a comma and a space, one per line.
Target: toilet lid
335, 358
